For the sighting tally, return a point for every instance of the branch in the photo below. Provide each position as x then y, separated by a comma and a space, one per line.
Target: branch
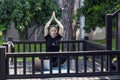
32, 32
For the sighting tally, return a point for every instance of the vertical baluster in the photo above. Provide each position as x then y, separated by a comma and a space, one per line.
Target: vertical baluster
110, 63
18, 47
2, 63
51, 64
59, 65
7, 64
93, 62
84, 46
29, 47
33, 65
68, 65
67, 46
107, 64
15, 65
42, 67
24, 65
44, 45
76, 63
85, 64
101, 61
118, 62
35, 47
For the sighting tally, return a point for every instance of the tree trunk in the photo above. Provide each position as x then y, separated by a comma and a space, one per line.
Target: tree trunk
67, 18
67, 11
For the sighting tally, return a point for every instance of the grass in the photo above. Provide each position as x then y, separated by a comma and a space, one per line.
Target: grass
100, 41
32, 47
19, 59
1, 42
104, 42
0, 38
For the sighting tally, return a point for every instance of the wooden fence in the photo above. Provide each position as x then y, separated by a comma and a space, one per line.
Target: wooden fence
24, 52
105, 64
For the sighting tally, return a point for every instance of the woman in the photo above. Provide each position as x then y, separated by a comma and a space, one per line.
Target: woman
52, 37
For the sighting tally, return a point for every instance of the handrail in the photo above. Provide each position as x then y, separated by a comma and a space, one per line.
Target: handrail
65, 52
16, 41
116, 13
109, 24
94, 46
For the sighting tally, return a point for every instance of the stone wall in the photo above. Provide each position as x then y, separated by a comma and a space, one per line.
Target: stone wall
12, 31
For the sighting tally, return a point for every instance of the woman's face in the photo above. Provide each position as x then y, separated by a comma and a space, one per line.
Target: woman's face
53, 31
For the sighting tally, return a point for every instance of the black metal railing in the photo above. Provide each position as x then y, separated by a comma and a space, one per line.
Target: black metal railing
81, 61
77, 64
39, 46
112, 20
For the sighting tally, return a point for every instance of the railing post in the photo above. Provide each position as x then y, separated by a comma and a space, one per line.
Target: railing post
6, 45
118, 33
118, 62
109, 32
85, 43
10, 46
2, 63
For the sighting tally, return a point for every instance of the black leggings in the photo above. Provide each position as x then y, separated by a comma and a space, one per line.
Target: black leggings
55, 61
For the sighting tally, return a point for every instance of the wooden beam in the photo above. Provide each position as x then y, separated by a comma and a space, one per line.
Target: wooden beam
118, 33
109, 32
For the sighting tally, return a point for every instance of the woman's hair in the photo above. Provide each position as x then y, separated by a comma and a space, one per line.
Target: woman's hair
53, 26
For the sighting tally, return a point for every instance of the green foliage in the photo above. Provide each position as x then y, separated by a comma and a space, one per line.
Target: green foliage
95, 11
25, 12
2, 28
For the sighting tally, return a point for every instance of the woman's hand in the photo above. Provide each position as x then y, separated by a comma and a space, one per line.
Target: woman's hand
54, 15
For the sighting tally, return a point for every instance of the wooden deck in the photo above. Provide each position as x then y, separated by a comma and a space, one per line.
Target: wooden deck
81, 68
77, 78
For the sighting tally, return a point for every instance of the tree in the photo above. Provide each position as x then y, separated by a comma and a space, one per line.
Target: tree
67, 20
67, 13
25, 13
95, 11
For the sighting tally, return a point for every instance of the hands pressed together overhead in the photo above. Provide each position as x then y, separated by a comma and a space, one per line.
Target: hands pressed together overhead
53, 15
58, 23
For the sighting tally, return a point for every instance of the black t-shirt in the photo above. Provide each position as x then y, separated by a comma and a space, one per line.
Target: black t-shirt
52, 44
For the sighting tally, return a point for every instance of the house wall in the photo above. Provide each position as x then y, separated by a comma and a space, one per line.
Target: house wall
11, 31
98, 34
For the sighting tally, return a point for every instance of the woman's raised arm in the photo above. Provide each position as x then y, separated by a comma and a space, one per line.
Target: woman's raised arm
47, 26
61, 29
